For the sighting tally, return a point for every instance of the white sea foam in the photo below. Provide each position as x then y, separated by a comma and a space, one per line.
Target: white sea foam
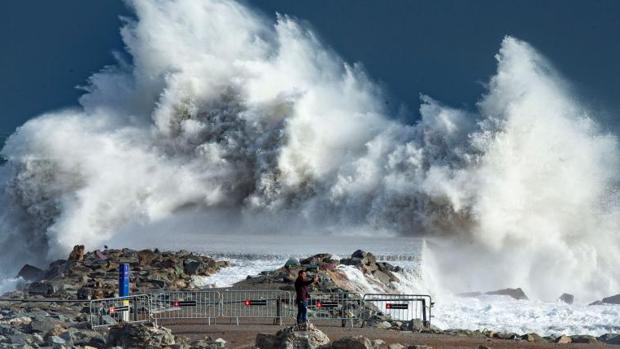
521, 316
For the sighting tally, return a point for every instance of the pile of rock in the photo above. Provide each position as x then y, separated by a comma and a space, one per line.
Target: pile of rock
40, 325
50, 326
91, 275
331, 276
367, 263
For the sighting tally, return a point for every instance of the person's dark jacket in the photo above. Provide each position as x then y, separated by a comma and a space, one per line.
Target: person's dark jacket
301, 289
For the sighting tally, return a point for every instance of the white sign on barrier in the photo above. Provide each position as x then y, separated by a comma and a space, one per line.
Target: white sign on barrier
405, 307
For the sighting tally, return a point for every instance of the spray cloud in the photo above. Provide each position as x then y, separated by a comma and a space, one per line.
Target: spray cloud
254, 126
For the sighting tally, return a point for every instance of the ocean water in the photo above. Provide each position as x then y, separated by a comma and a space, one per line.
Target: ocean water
250, 256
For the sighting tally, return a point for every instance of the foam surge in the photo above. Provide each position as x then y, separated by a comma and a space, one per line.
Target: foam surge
224, 122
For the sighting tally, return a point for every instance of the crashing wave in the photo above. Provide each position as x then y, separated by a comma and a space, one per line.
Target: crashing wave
256, 127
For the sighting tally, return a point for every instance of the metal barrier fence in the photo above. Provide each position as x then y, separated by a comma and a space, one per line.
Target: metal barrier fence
256, 304
110, 311
171, 305
405, 307
335, 306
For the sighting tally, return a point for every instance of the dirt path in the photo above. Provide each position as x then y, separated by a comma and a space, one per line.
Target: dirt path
244, 336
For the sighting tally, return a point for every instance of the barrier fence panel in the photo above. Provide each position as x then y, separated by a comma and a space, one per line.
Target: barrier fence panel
335, 306
256, 304
405, 307
186, 305
110, 311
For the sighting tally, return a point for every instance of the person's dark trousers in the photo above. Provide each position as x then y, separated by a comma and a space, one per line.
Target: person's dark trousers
302, 312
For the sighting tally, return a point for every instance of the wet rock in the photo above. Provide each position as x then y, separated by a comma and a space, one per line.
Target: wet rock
516, 293
357, 342
30, 273
318, 259
506, 335
56, 270
567, 298
191, 266
292, 263
42, 288
584, 339
563, 340
612, 300
532, 337
610, 338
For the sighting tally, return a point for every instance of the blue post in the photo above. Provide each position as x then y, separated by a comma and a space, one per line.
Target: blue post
123, 280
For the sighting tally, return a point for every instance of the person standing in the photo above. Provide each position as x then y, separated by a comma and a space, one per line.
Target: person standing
303, 294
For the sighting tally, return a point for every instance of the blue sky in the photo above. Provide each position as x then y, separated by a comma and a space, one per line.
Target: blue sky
441, 48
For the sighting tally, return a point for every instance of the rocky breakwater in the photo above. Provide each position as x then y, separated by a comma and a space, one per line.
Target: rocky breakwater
334, 279
47, 313
332, 274
94, 274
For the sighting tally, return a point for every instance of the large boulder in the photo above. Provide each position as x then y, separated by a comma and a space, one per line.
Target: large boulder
567, 298
30, 273
42, 288
610, 338
288, 338
318, 259
77, 254
292, 263
612, 300
192, 266
82, 337
516, 293
131, 335
584, 339
367, 263
357, 342
146, 257
56, 270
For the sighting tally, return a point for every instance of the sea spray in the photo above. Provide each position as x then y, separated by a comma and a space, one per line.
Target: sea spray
226, 123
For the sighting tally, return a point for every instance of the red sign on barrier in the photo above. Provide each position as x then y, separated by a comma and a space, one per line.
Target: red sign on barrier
396, 306
320, 304
183, 303
251, 302
113, 310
